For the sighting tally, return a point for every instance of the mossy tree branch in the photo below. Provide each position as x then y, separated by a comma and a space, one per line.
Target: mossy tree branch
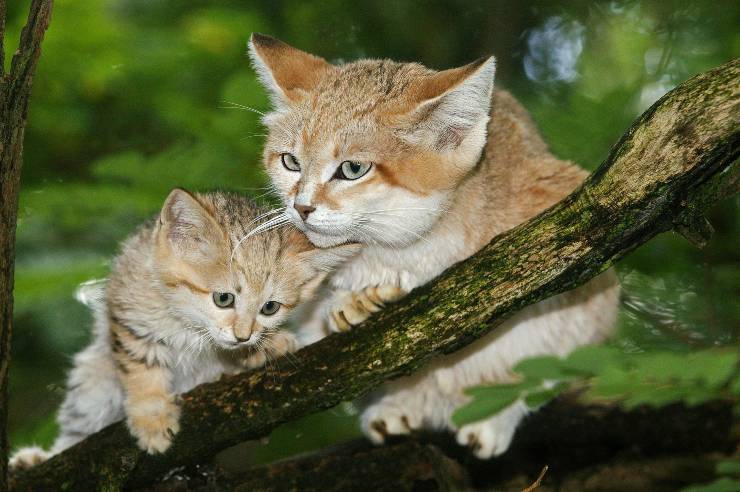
15, 89
676, 155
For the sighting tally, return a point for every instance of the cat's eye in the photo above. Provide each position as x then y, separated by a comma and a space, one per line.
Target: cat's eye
223, 299
270, 307
290, 162
352, 170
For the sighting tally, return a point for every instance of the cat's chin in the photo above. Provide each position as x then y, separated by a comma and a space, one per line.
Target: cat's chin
324, 241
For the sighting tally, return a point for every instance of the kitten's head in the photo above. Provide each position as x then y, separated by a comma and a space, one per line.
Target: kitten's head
233, 295
369, 151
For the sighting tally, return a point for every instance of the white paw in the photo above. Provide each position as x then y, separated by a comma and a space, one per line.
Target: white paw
27, 457
382, 420
485, 439
154, 431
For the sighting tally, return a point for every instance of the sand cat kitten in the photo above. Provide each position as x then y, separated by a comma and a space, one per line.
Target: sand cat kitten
181, 309
424, 168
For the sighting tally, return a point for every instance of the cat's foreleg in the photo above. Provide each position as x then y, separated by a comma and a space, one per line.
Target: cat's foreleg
349, 308
152, 413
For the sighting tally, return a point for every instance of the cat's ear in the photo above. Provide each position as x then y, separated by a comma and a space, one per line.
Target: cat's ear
187, 227
286, 72
451, 108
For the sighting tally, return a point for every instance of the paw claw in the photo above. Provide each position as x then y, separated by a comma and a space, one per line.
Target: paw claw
352, 308
382, 421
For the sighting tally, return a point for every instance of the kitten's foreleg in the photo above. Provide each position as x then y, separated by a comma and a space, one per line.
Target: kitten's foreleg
352, 308
152, 413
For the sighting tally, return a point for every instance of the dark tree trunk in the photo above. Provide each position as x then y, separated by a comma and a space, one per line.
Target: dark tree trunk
585, 447
15, 88
672, 163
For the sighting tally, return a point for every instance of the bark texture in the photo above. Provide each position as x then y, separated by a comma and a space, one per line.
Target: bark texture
15, 89
670, 164
585, 447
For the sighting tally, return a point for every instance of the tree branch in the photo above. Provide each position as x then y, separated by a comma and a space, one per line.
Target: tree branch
15, 89
665, 162
574, 440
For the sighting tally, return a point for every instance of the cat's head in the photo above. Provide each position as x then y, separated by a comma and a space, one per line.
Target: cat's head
234, 295
369, 151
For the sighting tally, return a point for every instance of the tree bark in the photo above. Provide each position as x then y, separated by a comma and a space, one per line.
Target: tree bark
580, 445
673, 162
15, 89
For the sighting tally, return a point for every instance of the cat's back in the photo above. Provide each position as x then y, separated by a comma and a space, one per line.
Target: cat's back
518, 177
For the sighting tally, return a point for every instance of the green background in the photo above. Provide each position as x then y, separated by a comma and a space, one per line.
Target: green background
131, 99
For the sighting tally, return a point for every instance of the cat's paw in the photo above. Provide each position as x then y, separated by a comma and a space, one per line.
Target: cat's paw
154, 425
385, 419
275, 345
493, 436
352, 308
28, 457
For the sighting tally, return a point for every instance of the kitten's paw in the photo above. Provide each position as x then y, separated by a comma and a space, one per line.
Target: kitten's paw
28, 457
382, 420
352, 308
154, 425
487, 438
276, 345
281, 343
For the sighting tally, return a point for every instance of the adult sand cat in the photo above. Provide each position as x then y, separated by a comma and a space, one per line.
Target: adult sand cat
186, 301
424, 168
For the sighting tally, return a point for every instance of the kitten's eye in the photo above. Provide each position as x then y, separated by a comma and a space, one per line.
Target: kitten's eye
270, 307
352, 170
290, 162
223, 299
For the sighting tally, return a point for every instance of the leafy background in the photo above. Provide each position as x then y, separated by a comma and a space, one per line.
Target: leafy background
131, 99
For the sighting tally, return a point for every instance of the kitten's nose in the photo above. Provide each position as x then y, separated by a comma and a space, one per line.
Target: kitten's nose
242, 340
303, 210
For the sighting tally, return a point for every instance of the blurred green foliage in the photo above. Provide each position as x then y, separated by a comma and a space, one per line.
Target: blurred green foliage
654, 378
134, 97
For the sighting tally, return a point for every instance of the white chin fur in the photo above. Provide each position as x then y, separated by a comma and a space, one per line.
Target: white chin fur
323, 241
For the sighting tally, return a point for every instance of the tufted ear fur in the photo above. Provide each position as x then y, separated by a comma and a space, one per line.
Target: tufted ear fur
451, 108
188, 229
286, 72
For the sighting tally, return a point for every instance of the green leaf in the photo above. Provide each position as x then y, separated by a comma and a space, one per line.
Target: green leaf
495, 390
544, 367
612, 383
538, 398
593, 359
653, 396
664, 367
715, 366
724, 484
735, 385
728, 468
483, 407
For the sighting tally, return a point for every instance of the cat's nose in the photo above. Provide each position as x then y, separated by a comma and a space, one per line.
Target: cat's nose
242, 340
303, 210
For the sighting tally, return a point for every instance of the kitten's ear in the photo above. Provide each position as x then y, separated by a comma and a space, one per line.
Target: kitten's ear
286, 72
187, 226
452, 107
